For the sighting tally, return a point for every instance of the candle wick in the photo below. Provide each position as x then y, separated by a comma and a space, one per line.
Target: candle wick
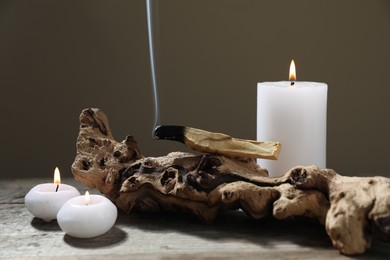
57, 187
292, 83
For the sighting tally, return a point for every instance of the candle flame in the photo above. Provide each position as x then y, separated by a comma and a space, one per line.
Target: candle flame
57, 177
293, 75
87, 198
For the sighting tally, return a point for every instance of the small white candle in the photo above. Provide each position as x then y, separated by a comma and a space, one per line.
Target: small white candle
45, 200
293, 113
87, 216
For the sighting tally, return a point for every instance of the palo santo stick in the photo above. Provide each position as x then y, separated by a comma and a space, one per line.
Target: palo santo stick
218, 143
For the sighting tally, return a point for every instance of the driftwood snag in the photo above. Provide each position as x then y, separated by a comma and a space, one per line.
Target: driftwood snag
351, 208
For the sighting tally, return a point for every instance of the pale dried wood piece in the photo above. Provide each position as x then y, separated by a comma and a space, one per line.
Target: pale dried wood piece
351, 208
358, 207
218, 143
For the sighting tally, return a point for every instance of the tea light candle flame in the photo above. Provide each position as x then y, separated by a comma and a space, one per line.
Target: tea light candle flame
57, 178
87, 198
293, 75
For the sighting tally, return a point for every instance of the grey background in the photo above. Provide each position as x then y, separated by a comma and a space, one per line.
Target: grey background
58, 57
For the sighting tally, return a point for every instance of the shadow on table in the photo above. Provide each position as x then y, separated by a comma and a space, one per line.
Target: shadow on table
42, 225
113, 237
237, 226
233, 225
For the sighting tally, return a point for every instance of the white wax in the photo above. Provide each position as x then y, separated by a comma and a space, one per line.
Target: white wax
44, 202
296, 117
84, 221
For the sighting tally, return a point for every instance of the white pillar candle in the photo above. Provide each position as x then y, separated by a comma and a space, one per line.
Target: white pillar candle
294, 115
45, 200
87, 216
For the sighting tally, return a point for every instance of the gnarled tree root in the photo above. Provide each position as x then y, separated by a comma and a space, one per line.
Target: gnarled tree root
351, 208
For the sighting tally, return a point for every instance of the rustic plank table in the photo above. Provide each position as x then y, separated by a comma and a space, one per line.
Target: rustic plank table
162, 235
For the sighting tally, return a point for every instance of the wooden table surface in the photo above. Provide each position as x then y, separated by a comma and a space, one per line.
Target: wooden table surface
163, 235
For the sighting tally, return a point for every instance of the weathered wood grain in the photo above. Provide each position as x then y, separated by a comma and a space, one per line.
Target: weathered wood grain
152, 236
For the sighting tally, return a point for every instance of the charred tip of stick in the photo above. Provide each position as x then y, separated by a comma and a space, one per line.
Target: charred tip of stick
169, 132
89, 111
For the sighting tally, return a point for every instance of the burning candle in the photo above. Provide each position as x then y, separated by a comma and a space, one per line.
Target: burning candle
293, 113
87, 216
45, 200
